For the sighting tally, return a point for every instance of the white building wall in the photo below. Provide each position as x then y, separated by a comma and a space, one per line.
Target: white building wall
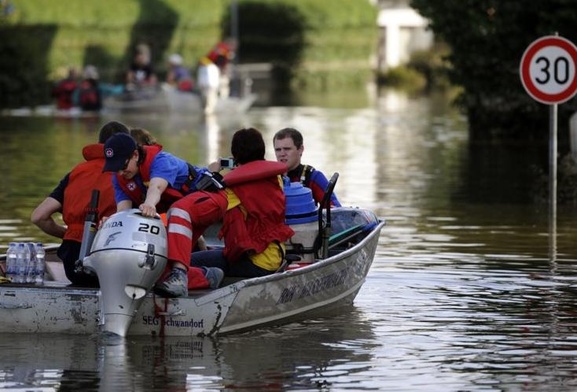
402, 32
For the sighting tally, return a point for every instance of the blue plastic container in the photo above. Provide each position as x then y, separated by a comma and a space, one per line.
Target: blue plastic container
300, 205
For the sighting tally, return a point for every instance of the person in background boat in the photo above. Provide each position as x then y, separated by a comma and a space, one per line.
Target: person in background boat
141, 73
65, 89
222, 55
72, 197
151, 180
253, 228
178, 75
89, 96
289, 148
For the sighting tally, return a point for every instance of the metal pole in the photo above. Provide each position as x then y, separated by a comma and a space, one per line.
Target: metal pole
553, 182
235, 88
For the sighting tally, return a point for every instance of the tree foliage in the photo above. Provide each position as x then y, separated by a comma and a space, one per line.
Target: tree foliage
487, 40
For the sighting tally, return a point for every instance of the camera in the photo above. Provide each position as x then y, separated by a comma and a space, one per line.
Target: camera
226, 163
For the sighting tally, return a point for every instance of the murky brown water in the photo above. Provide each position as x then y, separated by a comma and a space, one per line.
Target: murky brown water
469, 290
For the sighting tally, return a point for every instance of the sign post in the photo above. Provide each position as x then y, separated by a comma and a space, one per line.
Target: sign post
548, 73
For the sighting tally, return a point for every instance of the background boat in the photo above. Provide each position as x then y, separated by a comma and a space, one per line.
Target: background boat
168, 99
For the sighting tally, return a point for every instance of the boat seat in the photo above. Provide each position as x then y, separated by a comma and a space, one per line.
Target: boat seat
55, 271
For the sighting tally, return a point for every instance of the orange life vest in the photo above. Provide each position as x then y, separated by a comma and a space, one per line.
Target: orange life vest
84, 178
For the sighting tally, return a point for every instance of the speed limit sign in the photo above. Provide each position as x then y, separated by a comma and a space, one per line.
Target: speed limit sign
548, 69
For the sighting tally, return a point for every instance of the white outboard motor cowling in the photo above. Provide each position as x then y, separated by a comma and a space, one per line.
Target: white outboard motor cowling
128, 255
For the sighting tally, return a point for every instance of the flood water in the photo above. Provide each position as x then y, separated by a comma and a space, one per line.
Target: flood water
472, 288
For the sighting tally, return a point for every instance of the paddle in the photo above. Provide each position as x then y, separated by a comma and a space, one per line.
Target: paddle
325, 229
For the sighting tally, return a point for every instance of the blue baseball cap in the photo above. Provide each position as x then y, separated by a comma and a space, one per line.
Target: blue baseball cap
117, 150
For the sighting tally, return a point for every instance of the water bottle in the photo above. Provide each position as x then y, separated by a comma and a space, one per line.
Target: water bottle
40, 264
22, 258
11, 261
31, 265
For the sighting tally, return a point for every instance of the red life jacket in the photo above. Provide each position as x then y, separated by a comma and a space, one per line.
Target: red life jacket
85, 177
63, 93
265, 215
89, 95
220, 55
138, 195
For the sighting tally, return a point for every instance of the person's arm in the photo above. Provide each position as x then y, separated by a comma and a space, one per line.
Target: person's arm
123, 201
318, 184
42, 217
156, 187
123, 205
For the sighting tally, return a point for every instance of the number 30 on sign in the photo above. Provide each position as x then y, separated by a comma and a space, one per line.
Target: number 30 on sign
548, 70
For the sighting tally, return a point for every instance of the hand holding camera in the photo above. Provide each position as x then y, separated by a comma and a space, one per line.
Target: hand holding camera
226, 163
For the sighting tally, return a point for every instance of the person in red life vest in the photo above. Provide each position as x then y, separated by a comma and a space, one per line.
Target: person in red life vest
222, 54
178, 75
89, 97
72, 197
65, 89
289, 148
151, 180
253, 228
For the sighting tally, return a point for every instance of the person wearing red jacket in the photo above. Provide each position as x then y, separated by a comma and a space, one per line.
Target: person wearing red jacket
254, 228
65, 90
72, 197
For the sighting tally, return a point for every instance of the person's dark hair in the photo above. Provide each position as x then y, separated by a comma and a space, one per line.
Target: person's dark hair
295, 135
141, 154
247, 145
109, 129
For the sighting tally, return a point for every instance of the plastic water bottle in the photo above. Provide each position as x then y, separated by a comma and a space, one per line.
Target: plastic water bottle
40, 264
11, 261
31, 265
22, 260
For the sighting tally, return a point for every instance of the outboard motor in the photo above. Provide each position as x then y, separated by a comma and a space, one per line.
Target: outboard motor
128, 255
301, 216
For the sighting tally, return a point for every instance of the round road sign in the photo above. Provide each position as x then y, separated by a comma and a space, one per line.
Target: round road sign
548, 69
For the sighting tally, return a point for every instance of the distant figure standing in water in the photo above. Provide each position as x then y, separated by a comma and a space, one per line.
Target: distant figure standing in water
222, 55
208, 80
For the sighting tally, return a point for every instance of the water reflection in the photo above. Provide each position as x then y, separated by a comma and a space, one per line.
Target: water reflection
307, 355
464, 293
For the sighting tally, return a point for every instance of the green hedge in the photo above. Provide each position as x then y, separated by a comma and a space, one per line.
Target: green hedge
303, 38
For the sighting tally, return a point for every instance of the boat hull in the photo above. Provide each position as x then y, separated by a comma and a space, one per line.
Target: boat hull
243, 305
172, 100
